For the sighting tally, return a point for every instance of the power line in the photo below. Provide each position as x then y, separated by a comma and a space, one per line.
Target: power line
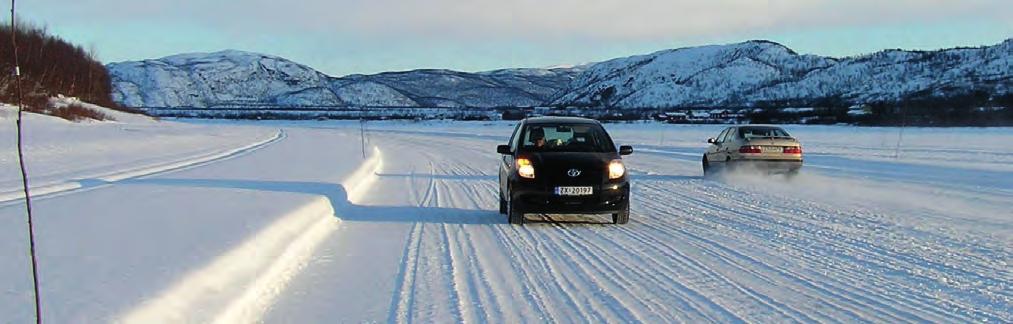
21, 162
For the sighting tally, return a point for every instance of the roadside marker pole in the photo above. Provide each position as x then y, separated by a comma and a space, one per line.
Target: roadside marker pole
362, 136
900, 134
21, 162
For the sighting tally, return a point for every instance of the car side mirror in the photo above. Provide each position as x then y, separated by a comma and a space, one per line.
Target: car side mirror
625, 150
712, 140
503, 149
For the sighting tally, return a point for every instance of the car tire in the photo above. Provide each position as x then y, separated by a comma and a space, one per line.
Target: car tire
502, 204
623, 216
706, 166
514, 215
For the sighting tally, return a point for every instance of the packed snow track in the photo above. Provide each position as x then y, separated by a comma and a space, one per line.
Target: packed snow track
412, 234
426, 244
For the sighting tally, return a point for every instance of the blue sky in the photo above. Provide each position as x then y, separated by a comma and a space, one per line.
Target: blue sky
342, 37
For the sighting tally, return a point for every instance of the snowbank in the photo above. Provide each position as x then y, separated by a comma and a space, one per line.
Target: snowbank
60, 153
206, 241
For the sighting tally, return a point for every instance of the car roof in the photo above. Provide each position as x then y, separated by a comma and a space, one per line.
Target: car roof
759, 126
560, 120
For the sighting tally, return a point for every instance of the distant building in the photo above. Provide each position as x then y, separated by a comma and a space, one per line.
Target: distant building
720, 113
794, 110
677, 117
699, 114
859, 110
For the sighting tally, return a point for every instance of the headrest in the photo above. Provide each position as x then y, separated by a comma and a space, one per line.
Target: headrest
537, 133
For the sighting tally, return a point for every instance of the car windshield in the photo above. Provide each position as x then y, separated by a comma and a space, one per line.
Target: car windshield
754, 132
566, 138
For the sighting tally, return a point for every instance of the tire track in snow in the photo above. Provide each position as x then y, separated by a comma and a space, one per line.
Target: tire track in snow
425, 255
843, 230
707, 270
684, 197
827, 286
458, 168
695, 251
472, 300
690, 298
718, 249
404, 296
571, 284
441, 249
533, 257
587, 273
709, 283
711, 278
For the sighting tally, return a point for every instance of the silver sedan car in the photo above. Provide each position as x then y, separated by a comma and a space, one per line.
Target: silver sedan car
767, 149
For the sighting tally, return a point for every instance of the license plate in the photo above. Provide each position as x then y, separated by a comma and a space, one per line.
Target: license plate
574, 191
771, 149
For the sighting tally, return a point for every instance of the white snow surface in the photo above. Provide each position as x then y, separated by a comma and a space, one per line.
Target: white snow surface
295, 225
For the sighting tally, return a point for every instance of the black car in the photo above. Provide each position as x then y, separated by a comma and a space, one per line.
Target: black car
563, 165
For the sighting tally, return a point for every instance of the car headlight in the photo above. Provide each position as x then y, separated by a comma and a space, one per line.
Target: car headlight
616, 169
525, 169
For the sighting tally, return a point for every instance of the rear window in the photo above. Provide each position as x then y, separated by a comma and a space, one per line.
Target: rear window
566, 138
754, 132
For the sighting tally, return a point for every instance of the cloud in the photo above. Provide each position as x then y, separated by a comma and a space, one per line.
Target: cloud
537, 19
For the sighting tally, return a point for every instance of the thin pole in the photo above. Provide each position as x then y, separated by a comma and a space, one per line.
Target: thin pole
24, 173
362, 136
900, 134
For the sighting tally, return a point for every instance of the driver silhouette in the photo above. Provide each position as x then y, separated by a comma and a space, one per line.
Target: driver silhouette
537, 137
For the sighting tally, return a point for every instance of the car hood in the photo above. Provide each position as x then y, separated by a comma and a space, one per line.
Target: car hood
555, 166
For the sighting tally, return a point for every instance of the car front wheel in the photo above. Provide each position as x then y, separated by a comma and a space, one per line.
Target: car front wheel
502, 204
515, 216
623, 216
706, 166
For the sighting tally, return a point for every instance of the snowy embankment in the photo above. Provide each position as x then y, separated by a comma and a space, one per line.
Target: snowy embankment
64, 155
146, 221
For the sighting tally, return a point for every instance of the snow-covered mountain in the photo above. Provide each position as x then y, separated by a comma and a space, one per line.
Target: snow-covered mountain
741, 74
762, 71
221, 78
236, 78
446, 88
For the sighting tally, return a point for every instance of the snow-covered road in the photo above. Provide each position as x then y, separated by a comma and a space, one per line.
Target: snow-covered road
426, 244
302, 230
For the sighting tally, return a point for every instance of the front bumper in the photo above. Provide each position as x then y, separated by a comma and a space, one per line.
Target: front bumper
541, 199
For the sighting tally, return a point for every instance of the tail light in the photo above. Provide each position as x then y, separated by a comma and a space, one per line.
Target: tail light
753, 149
525, 169
792, 150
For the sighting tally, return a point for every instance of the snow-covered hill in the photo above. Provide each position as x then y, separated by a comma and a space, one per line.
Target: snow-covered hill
221, 78
446, 88
757, 71
236, 78
741, 74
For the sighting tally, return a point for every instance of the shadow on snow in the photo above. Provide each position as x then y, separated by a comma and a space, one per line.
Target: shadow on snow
349, 211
